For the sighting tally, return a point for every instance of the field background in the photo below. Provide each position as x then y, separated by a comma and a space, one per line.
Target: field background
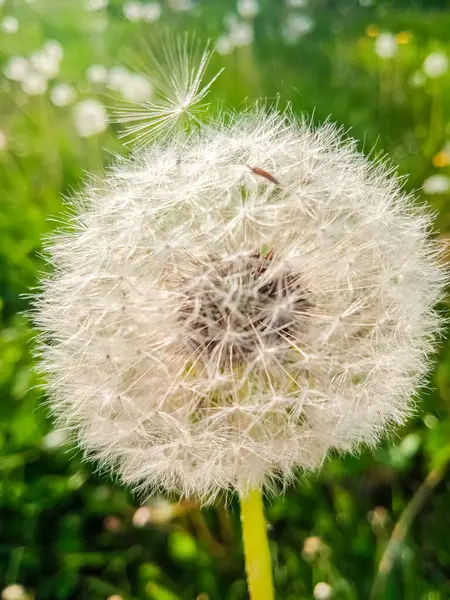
66, 532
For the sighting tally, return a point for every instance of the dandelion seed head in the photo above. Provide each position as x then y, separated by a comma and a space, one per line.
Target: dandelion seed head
9, 24
234, 302
386, 45
62, 94
322, 591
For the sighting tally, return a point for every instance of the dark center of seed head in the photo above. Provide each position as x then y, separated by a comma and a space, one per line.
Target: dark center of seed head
242, 306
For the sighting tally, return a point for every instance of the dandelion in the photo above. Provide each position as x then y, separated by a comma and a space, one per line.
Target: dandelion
236, 300
14, 592
241, 34
181, 5
90, 117
150, 13
54, 49
132, 11
3, 140
435, 65
46, 64
297, 3
17, 68
436, 184
34, 84
248, 8
386, 45
117, 78
54, 439
62, 94
322, 591
417, 79
136, 88
224, 45
295, 27
9, 24
93, 5
97, 74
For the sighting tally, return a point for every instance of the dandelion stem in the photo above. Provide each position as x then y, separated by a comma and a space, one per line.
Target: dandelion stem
256, 547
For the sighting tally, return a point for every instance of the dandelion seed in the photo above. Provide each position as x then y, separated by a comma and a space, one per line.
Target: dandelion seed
62, 94
90, 117
9, 24
386, 45
179, 99
435, 65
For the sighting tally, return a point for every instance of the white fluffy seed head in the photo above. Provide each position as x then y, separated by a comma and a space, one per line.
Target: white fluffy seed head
231, 304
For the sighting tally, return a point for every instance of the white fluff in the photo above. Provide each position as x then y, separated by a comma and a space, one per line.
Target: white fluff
169, 361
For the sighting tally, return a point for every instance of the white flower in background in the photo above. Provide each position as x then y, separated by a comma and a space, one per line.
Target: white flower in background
54, 439
297, 3
92, 5
54, 50
435, 65
9, 24
436, 184
150, 13
62, 94
235, 302
34, 84
136, 88
132, 11
248, 8
117, 78
417, 79
14, 592
224, 45
90, 117
45, 63
181, 5
322, 591
241, 34
295, 27
97, 74
386, 45
17, 68
3, 140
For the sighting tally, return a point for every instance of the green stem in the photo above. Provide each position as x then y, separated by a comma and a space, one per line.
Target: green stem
256, 547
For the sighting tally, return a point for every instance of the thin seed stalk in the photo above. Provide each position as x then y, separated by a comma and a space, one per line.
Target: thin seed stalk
256, 547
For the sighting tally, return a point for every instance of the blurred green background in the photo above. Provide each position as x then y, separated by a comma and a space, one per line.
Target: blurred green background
378, 67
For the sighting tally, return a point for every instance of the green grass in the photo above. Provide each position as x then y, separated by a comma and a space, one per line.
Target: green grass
68, 532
